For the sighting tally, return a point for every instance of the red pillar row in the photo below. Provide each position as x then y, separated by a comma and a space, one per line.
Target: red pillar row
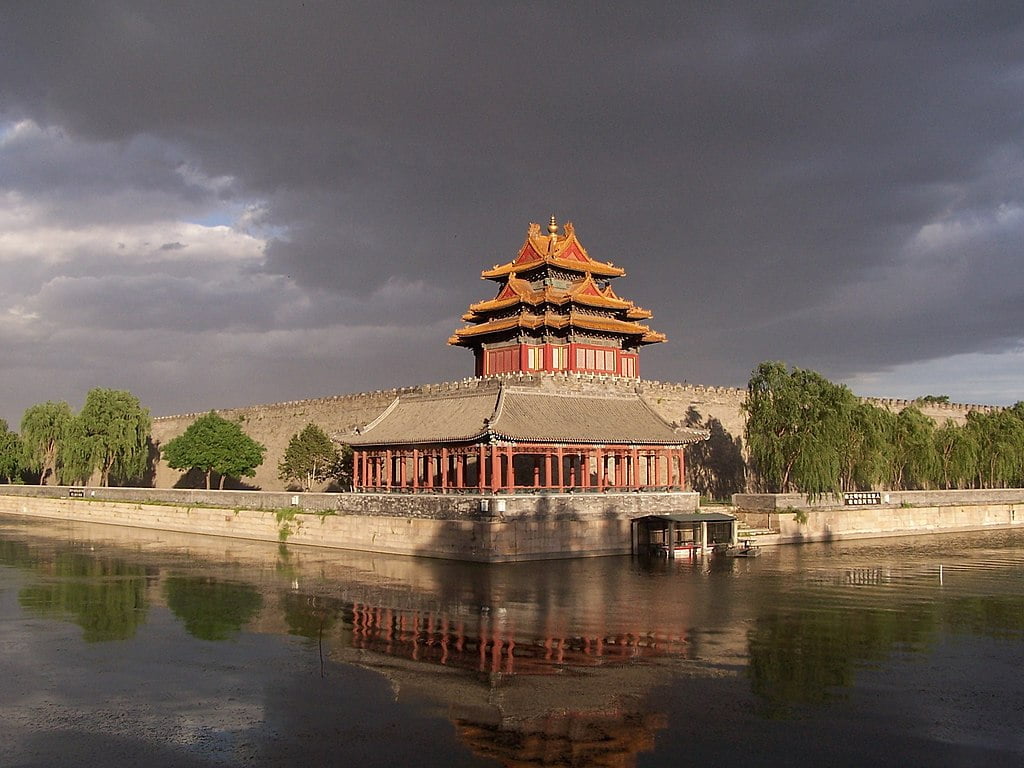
618, 467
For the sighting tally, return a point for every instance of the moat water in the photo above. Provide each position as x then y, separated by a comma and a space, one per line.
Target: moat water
123, 647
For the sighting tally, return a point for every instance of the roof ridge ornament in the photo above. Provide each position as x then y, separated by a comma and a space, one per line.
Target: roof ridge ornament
553, 234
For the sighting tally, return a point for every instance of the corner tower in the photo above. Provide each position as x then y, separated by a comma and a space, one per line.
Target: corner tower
555, 310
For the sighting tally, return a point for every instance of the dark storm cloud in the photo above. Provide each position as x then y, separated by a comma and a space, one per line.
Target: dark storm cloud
838, 186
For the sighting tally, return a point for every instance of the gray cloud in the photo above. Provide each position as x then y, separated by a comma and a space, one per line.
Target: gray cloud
838, 187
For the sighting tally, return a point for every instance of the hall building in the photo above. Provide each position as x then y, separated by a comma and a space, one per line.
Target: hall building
551, 408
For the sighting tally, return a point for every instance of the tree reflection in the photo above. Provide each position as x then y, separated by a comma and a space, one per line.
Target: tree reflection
805, 657
989, 615
105, 597
308, 615
17, 554
211, 609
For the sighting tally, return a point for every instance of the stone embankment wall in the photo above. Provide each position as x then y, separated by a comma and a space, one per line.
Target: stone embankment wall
797, 519
275, 424
485, 529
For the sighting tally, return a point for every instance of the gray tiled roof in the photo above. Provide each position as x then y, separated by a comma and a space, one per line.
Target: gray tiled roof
521, 415
439, 419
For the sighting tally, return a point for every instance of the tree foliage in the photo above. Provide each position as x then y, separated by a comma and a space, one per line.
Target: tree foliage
44, 427
11, 453
311, 458
109, 435
809, 435
798, 426
214, 444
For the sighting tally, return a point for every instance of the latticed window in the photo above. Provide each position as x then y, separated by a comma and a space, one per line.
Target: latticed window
559, 358
536, 358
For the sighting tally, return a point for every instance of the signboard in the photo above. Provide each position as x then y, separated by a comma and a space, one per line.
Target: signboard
76, 493
862, 498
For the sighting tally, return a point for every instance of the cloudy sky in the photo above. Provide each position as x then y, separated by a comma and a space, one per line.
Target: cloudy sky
218, 204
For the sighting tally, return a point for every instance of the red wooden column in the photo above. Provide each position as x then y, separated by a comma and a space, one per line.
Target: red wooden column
510, 475
416, 468
482, 479
389, 469
561, 468
682, 469
444, 469
600, 469
547, 470
634, 460
460, 470
495, 468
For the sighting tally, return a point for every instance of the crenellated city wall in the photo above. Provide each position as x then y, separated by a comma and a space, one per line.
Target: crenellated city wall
274, 424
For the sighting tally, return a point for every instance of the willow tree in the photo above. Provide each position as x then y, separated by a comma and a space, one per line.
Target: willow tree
957, 452
797, 426
110, 435
914, 461
11, 453
44, 428
1000, 438
863, 447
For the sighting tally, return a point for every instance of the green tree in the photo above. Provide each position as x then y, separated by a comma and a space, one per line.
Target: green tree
44, 427
933, 399
914, 459
342, 471
109, 435
11, 453
957, 451
796, 424
311, 457
862, 447
213, 444
1000, 439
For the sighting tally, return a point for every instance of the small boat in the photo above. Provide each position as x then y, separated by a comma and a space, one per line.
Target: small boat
747, 549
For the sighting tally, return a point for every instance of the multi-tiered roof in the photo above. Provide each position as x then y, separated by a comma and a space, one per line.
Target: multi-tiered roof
555, 310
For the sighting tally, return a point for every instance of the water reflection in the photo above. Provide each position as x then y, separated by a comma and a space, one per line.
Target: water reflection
211, 609
106, 597
561, 663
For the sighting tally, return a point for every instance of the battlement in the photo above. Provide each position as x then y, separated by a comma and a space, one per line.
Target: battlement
581, 381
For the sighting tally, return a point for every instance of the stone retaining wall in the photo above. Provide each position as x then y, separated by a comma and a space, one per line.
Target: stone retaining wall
796, 520
456, 527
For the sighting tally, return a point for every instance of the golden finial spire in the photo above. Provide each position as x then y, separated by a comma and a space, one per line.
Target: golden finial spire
553, 226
